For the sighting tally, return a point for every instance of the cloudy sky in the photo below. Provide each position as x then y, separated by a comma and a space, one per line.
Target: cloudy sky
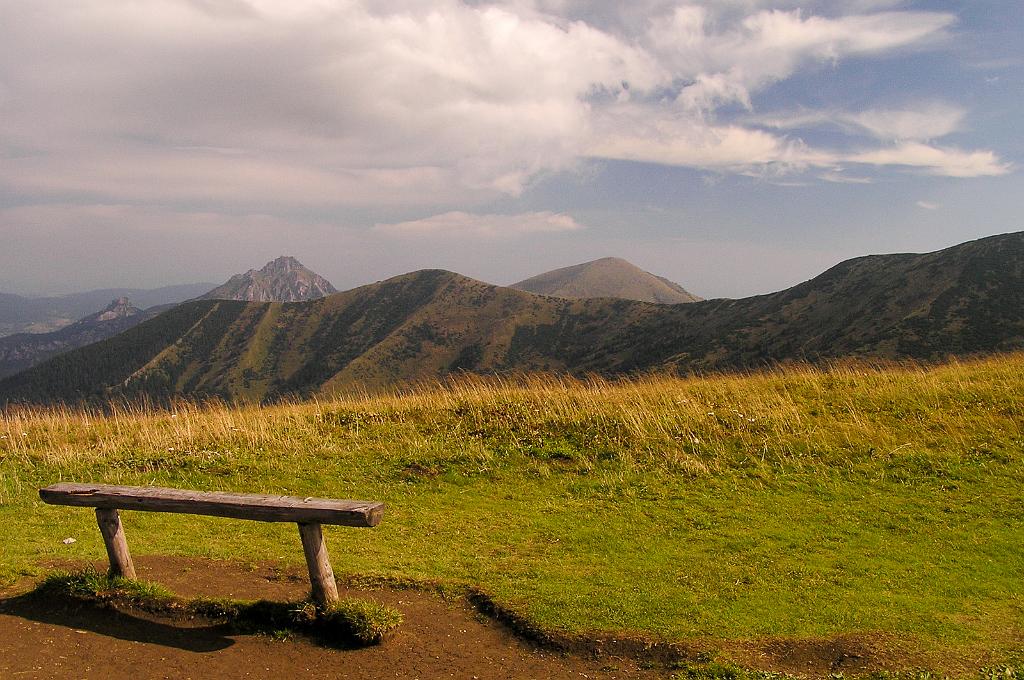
735, 146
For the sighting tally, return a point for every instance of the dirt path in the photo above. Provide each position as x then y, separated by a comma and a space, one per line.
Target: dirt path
438, 639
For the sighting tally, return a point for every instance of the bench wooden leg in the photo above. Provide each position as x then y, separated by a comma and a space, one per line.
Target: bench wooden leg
117, 546
321, 576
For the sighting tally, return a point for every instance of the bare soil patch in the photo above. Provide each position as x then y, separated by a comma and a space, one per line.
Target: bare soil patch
440, 638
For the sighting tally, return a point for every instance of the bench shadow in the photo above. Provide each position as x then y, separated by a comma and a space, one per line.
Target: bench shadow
113, 623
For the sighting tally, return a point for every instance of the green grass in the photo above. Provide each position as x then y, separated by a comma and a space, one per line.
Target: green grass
91, 584
343, 623
714, 670
796, 503
367, 622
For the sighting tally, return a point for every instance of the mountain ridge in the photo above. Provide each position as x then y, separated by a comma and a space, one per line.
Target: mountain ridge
960, 301
21, 314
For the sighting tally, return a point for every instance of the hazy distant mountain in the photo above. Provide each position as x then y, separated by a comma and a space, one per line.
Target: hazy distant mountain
20, 314
609, 277
20, 351
960, 301
282, 280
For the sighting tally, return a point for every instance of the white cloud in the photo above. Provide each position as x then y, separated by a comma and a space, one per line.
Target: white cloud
770, 45
837, 177
924, 121
933, 160
463, 224
142, 174
927, 122
908, 129
259, 102
683, 142
927, 205
485, 97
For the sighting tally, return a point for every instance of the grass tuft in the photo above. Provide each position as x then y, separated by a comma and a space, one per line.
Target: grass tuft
91, 584
367, 622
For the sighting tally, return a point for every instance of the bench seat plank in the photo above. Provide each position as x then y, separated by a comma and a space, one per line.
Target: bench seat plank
218, 504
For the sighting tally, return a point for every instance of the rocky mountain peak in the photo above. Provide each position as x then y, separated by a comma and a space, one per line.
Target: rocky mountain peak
285, 263
283, 279
119, 308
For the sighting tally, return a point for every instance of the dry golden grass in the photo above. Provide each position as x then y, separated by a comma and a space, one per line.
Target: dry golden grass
798, 415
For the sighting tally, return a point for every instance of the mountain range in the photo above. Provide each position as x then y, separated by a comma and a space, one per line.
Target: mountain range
23, 350
20, 314
960, 301
609, 277
285, 279
282, 280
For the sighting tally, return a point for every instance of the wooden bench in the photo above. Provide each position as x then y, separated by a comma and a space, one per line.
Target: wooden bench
308, 513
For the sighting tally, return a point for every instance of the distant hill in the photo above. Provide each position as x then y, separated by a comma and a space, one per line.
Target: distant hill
282, 280
609, 277
960, 301
20, 314
22, 350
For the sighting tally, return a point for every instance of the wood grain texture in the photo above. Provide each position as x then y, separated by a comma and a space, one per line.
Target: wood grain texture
117, 545
321, 575
218, 504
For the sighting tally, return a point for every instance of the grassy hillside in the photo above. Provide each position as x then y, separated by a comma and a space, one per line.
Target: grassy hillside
798, 503
961, 300
90, 372
421, 326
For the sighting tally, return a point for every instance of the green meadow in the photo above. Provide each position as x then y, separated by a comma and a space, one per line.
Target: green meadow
799, 503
